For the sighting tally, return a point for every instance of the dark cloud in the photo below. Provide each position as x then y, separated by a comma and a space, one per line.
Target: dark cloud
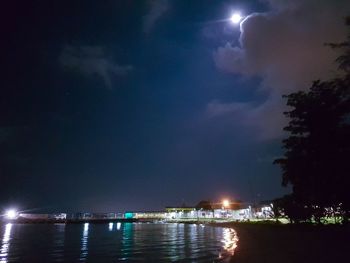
92, 60
156, 9
285, 48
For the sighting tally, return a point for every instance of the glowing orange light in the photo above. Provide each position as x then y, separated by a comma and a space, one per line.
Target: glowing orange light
226, 203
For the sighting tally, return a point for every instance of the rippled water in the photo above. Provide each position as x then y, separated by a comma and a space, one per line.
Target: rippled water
115, 242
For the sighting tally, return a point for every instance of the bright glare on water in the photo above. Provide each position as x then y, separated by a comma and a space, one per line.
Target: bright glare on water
115, 242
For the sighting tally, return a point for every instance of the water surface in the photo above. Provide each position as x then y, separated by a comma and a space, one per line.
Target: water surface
115, 242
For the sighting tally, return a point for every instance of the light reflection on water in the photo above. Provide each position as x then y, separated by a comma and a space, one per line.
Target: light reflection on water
229, 240
127, 242
5, 243
58, 241
116, 242
84, 243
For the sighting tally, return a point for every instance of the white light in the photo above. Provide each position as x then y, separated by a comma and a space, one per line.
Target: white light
84, 242
236, 18
11, 214
225, 203
86, 227
110, 226
5, 243
118, 226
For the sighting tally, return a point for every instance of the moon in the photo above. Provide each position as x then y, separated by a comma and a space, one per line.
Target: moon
236, 18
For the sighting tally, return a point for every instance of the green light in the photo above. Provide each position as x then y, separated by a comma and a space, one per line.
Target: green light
128, 215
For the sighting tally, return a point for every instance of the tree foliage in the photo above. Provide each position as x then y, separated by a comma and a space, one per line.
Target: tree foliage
316, 159
204, 205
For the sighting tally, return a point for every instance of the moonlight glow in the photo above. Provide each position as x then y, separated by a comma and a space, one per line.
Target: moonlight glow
236, 18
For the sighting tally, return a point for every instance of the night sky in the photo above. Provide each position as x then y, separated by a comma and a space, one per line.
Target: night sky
135, 105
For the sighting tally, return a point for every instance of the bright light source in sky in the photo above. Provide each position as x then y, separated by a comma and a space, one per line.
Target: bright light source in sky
11, 214
236, 18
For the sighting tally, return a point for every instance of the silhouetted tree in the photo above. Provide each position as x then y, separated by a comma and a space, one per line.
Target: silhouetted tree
295, 211
205, 205
317, 151
278, 208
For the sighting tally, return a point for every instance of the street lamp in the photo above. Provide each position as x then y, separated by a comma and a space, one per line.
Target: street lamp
11, 214
225, 203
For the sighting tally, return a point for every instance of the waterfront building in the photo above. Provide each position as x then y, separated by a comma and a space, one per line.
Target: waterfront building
34, 216
263, 212
181, 212
150, 215
60, 216
216, 211
239, 214
81, 216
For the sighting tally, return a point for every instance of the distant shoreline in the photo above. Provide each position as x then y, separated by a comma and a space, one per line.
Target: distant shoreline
70, 221
212, 222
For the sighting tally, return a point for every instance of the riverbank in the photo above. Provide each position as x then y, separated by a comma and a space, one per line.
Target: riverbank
290, 243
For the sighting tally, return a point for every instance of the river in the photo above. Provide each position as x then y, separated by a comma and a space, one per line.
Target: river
115, 242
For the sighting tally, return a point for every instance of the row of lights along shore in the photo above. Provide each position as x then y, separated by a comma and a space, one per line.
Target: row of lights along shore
13, 214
